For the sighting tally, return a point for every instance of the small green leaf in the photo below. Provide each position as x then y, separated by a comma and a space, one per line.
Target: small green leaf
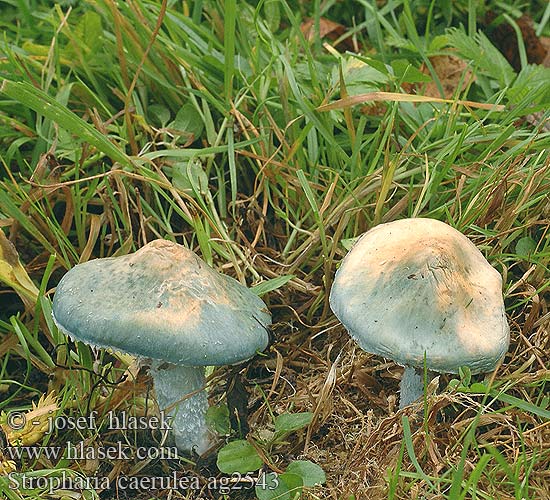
239, 456
311, 473
348, 243
454, 383
272, 284
289, 422
189, 176
272, 15
525, 247
269, 487
217, 418
159, 114
478, 387
273, 486
294, 484
188, 123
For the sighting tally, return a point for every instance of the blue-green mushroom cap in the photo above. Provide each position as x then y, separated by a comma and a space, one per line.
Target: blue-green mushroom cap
162, 302
417, 290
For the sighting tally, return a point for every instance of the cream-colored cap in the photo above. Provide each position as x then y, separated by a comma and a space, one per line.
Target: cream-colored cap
418, 287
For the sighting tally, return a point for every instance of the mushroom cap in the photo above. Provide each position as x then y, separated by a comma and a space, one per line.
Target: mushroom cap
418, 287
162, 302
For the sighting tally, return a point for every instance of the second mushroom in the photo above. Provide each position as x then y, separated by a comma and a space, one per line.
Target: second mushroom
418, 291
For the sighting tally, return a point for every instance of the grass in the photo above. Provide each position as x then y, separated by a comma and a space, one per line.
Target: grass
223, 127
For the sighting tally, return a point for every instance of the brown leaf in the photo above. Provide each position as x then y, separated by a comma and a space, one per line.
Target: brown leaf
504, 37
400, 97
327, 29
450, 71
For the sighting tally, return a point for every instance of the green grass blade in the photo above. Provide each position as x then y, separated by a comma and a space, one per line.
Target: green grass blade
45, 105
407, 437
272, 284
230, 12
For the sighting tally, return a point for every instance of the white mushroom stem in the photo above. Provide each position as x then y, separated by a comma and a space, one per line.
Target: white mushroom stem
411, 386
172, 384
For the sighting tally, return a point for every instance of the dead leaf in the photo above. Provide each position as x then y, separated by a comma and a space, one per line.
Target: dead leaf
399, 97
13, 274
504, 37
452, 73
327, 29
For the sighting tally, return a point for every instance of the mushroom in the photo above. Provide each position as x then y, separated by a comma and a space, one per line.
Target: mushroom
419, 292
164, 304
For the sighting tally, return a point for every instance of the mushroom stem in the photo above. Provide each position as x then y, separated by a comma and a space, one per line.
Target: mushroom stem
188, 424
411, 386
